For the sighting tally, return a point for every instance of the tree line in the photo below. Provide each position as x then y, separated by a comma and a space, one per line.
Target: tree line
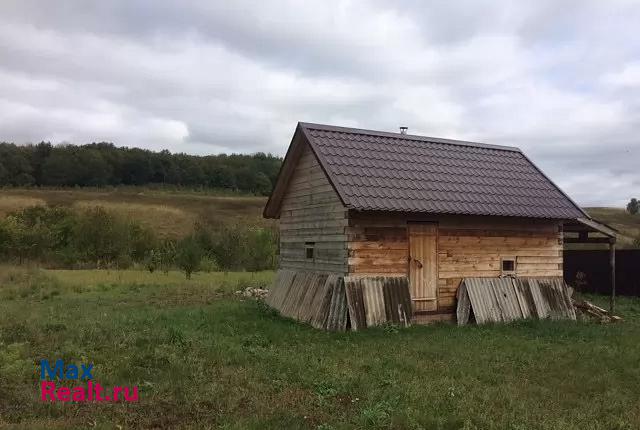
104, 164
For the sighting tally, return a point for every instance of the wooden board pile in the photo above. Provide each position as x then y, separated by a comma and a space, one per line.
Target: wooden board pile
335, 303
591, 311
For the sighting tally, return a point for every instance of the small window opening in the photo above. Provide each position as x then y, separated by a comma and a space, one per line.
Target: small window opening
508, 266
309, 249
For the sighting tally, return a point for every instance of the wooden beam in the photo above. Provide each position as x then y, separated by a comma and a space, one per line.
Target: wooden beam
589, 240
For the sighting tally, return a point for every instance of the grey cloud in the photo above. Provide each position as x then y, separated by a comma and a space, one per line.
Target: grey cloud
558, 79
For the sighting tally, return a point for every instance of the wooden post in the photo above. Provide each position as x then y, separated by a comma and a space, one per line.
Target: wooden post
612, 267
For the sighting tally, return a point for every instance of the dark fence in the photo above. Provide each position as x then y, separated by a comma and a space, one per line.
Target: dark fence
589, 271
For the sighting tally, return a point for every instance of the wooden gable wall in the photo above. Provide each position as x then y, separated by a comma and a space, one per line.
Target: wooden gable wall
311, 211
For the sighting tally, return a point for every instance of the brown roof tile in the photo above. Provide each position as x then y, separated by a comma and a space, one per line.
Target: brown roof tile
381, 171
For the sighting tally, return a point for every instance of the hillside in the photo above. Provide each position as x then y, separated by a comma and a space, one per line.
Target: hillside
173, 213
170, 214
628, 225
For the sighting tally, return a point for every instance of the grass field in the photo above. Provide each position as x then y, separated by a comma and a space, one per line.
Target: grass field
205, 358
169, 213
628, 225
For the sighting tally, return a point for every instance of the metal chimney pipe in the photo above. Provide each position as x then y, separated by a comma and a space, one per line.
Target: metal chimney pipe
403, 130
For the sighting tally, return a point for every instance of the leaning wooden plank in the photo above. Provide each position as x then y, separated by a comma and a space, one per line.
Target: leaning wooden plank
315, 294
298, 306
307, 297
355, 302
337, 317
284, 304
323, 302
279, 288
297, 289
281, 291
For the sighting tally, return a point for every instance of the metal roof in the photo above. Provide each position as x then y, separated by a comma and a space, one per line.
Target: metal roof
380, 171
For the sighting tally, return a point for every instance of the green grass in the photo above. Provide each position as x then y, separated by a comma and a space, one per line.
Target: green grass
205, 358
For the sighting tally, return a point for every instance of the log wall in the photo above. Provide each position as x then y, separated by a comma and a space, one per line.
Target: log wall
311, 211
467, 246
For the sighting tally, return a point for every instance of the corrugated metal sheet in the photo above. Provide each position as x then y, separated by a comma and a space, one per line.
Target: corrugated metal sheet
378, 300
373, 295
321, 303
337, 316
509, 299
355, 302
330, 301
464, 305
398, 300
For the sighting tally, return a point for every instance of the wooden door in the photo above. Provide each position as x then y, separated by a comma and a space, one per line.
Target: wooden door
423, 266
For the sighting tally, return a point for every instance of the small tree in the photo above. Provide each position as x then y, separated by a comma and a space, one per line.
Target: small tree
188, 255
166, 255
633, 207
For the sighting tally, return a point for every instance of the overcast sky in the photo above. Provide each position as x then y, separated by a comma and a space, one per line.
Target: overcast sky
560, 79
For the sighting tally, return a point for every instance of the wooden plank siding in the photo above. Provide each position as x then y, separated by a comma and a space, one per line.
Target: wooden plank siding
467, 246
311, 211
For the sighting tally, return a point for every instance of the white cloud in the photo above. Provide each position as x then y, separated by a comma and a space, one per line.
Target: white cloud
628, 76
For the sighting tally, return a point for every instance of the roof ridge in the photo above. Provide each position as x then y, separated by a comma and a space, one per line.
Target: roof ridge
412, 137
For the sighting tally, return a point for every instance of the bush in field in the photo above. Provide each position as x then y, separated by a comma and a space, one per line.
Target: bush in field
142, 242
188, 255
165, 255
240, 246
61, 237
633, 207
151, 261
106, 239
261, 248
34, 232
208, 264
96, 237
100, 236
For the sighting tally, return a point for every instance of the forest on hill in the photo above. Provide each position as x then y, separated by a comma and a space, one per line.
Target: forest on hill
103, 164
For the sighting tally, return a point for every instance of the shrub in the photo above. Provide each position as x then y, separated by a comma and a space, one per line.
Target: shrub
208, 264
100, 236
165, 255
59, 236
188, 255
241, 246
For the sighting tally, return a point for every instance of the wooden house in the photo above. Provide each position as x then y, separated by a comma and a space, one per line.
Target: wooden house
354, 202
